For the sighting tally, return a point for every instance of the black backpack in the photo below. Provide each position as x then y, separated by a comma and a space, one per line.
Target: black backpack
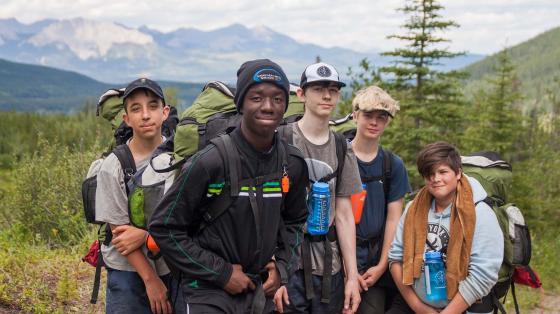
111, 108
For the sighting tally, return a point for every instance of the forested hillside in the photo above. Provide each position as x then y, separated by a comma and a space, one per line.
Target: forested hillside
537, 63
33, 88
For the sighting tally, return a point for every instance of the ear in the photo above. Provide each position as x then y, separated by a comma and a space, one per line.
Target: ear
355, 115
125, 118
459, 174
166, 110
300, 94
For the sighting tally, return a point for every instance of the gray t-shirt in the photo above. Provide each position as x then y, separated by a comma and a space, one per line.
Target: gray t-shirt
111, 206
321, 160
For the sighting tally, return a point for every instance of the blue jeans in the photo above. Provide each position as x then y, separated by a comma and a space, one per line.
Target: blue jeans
299, 302
126, 293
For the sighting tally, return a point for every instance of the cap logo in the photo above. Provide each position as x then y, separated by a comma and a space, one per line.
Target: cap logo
143, 80
267, 74
323, 71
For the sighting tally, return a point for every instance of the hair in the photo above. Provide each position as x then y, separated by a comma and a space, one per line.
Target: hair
147, 92
318, 83
435, 154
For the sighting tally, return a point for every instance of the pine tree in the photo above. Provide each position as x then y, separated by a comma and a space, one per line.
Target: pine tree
366, 75
496, 122
431, 101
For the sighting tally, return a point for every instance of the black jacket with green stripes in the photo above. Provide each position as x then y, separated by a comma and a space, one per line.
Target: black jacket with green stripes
206, 254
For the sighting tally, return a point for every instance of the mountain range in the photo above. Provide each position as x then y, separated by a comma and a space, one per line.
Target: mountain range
115, 53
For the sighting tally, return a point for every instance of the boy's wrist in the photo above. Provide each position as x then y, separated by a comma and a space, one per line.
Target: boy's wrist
353, 275
149, 277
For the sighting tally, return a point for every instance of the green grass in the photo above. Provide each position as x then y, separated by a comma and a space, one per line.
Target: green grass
37, 279
546, 254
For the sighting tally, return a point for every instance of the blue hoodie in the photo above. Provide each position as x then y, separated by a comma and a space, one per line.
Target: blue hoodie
486, 253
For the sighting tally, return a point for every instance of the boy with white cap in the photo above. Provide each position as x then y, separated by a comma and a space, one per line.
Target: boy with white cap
319, 285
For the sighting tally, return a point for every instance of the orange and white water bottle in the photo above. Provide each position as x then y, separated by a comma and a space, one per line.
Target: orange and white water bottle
358, 201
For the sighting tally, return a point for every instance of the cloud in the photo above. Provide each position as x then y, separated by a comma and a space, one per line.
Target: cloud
360, 25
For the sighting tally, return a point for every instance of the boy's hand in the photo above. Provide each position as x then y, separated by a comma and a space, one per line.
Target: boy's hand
372, 275
238, 282
157, 294
128, 238
281, 297
351, 295
273, 281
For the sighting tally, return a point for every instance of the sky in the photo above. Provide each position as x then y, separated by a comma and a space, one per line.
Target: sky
486, 26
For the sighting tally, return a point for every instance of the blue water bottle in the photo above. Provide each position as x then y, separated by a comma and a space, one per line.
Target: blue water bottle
435, 277
319, 209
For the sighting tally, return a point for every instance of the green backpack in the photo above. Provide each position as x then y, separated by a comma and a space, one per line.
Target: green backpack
111, 108
212, 114
345, 125
495, 176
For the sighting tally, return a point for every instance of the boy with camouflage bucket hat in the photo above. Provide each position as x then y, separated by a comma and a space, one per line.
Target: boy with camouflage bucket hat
386, 181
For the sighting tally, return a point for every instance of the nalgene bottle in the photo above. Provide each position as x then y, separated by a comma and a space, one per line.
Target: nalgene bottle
319, 209
434, 271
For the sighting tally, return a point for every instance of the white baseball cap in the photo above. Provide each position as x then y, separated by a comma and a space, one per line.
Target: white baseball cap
320, 72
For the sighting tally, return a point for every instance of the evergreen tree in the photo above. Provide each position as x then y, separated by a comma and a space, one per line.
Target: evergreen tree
496, 122
366, 75
431, 101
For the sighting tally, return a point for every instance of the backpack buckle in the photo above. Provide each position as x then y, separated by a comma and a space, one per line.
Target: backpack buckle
201, 129
207, 217
128, 172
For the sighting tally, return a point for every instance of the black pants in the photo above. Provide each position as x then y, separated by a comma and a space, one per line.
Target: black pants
299, 302
211, 299
399, 306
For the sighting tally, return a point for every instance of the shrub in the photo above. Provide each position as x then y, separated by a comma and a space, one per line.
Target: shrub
45, 205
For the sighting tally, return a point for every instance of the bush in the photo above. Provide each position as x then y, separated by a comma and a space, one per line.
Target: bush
37, 279
45, 205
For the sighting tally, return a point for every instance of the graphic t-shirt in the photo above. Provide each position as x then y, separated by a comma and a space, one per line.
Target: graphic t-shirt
321, 160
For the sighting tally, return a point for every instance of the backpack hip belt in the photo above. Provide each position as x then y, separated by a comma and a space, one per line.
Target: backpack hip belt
373, 245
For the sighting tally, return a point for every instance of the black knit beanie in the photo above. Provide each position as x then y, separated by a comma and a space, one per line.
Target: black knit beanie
259, 71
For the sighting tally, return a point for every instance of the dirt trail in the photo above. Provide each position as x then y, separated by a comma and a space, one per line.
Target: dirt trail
550, 305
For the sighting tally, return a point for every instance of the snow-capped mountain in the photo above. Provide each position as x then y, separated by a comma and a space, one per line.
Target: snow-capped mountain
111, 52
88, 39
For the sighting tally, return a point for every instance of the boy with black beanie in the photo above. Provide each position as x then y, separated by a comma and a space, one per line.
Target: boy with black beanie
233, 260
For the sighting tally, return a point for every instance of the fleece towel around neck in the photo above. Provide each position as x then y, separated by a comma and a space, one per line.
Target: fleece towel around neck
462, 224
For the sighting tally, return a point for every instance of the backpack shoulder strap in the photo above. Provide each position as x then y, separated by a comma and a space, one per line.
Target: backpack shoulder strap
489, 201
386, 175
286, 132
341, 145
124, 155
232, 165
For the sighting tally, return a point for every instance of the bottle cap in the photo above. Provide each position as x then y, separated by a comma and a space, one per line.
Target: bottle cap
433, 255
320, 187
